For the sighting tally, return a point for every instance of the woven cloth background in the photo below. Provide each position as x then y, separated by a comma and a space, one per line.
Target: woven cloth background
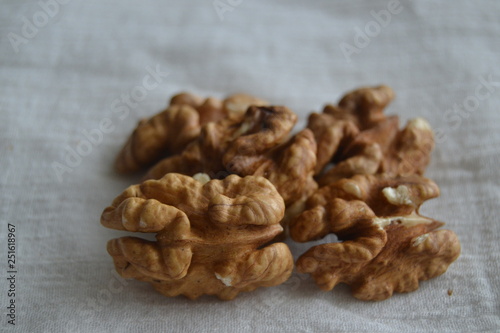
70, 69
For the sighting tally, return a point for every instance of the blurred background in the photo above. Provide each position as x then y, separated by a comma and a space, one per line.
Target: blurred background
70, 69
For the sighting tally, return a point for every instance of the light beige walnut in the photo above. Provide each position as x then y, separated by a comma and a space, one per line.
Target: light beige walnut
170, 131
385, 245
210, 235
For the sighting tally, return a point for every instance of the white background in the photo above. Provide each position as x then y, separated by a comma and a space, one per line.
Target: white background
68, 73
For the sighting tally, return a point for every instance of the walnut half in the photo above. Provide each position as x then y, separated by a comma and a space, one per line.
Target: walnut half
170, 131
386, 245
210, 235
254, 143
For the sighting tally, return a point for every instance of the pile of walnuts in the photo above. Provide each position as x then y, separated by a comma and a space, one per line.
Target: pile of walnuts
227, 180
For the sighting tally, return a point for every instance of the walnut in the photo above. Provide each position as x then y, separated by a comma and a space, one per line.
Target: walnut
386, 245
331, 135
385, 149
209, 235
337, 126
364, 106
258, 129
170, 131
289, 166
254, 144
358, 138
410, 151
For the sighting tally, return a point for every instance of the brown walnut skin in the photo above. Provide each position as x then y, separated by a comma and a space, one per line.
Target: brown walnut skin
338, 125
331, 135
265, 126
363, 153
156, 137
358, 138
170, 131
385, 149
289, 166
209, 236
255, 144
410, 151
386, 246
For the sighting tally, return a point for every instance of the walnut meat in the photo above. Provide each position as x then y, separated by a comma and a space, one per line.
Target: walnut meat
410, 151
363, 106
209, 235
255, 144
170, 131
331, 136
257, 130
357, 111
358, 138
385, 149
289, 166
386, 245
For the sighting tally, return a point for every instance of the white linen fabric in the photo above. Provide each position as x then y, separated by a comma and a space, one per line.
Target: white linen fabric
77, 75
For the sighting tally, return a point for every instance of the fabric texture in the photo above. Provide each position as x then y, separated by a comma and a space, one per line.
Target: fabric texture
77, 76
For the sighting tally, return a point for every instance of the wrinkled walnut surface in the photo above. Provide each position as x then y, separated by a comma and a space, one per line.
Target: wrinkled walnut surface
337, 125
253, 144
170, 131
257, 130
385, 149
290, 166
386, 246
209, 236
358, 138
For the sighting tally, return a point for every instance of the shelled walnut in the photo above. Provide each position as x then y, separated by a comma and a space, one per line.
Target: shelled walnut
337, 125
253, 144
359, 139
386, 245
352, 172
265, 127
210, 235
170, 131
385, 149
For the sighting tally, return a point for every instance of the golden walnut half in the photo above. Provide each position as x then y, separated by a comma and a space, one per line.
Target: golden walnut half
171, 130
210, 235
385, 245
